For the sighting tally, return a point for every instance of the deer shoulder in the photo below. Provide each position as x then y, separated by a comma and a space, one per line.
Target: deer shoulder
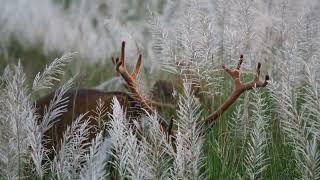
82, 101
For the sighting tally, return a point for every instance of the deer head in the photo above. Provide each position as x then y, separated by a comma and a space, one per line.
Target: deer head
239, 87
162, 90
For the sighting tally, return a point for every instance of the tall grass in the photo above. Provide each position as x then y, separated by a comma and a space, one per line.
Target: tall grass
270, 133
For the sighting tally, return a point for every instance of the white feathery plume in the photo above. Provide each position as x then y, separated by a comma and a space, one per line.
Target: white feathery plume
297, 131
188, 158
45, 79
16, 121
158, 149
57, 106
73, 149
96, 159
100, 113
118, 133
26, 135
256, 159
312, 95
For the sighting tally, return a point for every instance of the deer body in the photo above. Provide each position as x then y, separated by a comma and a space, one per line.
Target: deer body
84, 100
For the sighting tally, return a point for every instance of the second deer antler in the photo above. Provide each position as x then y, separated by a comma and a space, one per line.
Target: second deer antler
238, 89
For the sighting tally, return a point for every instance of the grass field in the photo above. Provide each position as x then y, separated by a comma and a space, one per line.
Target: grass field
271, 132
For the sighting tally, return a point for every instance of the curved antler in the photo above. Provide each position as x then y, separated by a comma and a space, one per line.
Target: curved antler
238, 89
131, 78
132, 85
134, 74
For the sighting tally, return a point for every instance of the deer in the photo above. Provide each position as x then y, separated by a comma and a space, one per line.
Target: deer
83, 101
162, 91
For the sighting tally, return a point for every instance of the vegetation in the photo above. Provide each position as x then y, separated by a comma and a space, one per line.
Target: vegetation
269, 133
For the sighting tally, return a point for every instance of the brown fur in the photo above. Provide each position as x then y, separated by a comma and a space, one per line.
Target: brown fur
163, 90
82, 101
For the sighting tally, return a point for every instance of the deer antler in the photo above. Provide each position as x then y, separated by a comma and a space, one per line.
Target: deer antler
134, 74
132, 85
131, 78
238, 89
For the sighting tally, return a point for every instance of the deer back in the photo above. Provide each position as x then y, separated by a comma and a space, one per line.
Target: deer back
82, 101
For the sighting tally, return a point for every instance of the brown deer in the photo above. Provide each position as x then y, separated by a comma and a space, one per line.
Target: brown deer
84, 100
162, 92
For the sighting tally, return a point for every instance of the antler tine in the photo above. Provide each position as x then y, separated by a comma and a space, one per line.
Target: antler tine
235, 73
240, 62
256, 82
113, 60
228, 70
122, 53
136, 70
117, 59
258, 72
